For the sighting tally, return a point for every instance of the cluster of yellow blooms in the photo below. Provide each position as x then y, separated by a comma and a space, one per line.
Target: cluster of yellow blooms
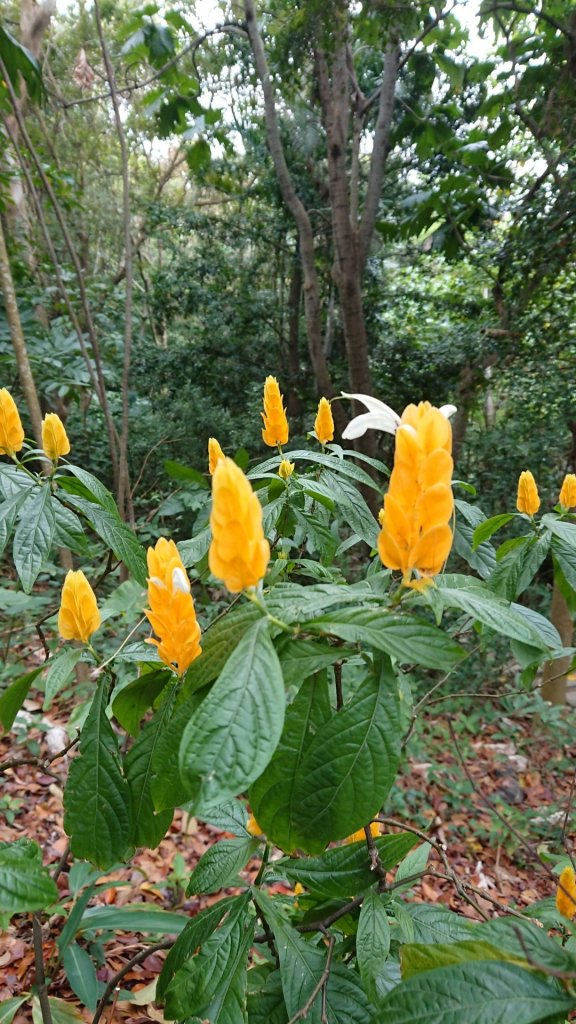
171, 614
528, 499
419, 504
239, 552
55, 441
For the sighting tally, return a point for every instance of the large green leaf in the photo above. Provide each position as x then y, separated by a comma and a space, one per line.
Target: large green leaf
349, 766
300, 660
266, 1001
344, 467
372, 941
8, 512
8, 1008
220, 865
346, 870
218, 642
491, 611
59, 671
353, 508
25, 884
92, 488
273, 796
406, 638
417, 958
19, 61
13, 698
81, 975
166, 786
429, 923
96, 798
136, 917
515, 570
148, 827
475, 993
133, 700
33, 536
234, 732
116, 534
193, 933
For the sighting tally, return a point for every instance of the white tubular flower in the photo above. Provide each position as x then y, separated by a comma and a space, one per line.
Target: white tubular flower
378, 417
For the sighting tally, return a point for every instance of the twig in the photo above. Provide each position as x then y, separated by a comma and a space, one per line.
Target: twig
319, 987
41, 762
375, 862
40, 977
338, 682
324, 923
566, 817
137, 959
61, 863
552, 971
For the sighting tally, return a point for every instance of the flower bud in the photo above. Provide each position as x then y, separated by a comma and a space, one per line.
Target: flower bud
275, 430
285, 469
324, 422
527, 500
239, 552
566, 893
11, 429
568, 492
215, 453
78, 617
54, 437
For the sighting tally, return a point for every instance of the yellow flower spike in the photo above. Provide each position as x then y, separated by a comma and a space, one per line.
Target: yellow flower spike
171, 613
566, 893
215, 453
324, 422
528, 500
275, 430
285, 469
54, 437
360, 834
568, 492
78, 617
239, 552
11, 429
253, 827
416, 533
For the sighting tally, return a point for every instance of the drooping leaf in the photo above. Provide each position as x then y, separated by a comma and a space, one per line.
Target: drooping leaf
192, 935
121, 540
220, 865
33, 536
148, 826
372, 941
13, 698
133, 700
59, 672
25, 884
217, 643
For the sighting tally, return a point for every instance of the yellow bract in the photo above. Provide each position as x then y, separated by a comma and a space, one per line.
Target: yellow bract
78, 617
275, 430
215, 453
11, 429
239, 552
566, 893
171, 614
528, 500
253, 827
324, 423
568, 492
54, 437
360, 834
285, 469
419, 504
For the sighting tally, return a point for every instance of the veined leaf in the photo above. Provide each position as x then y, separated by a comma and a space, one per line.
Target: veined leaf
220, 865
116, 534
13, 698
148, 826
346, 870
372, 941
25, 884
33, 536
59, 671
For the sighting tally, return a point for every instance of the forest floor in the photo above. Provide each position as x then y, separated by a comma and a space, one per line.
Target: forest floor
521, 766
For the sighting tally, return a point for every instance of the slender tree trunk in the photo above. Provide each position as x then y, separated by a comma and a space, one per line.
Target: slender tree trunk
554, 674
293, 402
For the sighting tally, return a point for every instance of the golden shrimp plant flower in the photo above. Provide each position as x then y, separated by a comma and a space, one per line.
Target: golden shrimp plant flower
54, 437
568, 491
360, 834
324, 422
11, 429
528, 499
239, 552
419, 505
215, 453
171, 613
275, 430
285, 469
379, 417
566, 893
78, 617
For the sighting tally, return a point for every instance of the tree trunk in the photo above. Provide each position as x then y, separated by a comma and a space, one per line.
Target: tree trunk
554, 673
293, 402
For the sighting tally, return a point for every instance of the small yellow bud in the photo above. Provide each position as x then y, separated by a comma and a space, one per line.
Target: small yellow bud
275, 430
568, 492
285, 469
215, 453
54, 437
11, 429
78, 617
566, 896
298, 889
360, 834
253, 827
324, 422
527, 500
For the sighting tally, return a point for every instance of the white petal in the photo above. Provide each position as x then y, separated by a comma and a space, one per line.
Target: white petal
373, 404
157, 582
387, 421
409, 429
180, 581
447, 410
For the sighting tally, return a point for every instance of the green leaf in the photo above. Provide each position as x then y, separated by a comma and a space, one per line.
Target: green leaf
229, 817
220, 865
81, 975
218, 641
8, 512
266, 1001
524, 940
349, 766
191, 938
13, 698
565, 555
137, 917
406, 638
234, 732
492, 612
337, 465
166, 785
346, 870
130, 705
20, 61
33, 536
413, 864
116, 534
194, 550
198, 155
436, 924
60, 670
482, 559
273, 796
490, 526
25, 884
92, 488
8, 1008
302, 659
148, 827
561, 529
417, 958
96, 797
353, 508
69, 532
372, 941
515, 570
477, 993
60, 1011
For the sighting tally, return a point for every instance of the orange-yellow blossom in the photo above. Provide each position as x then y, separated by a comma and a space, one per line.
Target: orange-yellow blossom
324, 422
239, 552
11, 429
275, 430
78, 617
419, 505
566, 893
54, 437
568, 492
528, 500
171, 614
360, 834
285, 469
215, 453
253, 827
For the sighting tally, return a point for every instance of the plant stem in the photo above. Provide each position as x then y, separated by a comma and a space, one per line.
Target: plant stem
41, 988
